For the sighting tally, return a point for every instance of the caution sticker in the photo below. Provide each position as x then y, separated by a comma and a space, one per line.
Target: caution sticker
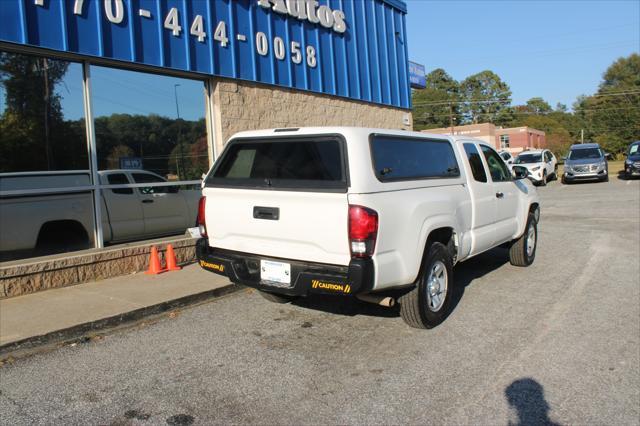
213, 266
322, 285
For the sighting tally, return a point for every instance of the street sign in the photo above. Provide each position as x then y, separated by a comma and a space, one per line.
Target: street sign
417, 76
131, 163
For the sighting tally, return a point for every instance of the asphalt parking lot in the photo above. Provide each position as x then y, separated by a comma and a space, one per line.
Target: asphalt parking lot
556, 342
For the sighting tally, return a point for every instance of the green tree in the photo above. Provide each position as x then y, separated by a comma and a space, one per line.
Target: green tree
560, 107
487, 98
538, 106
437, 105
35, 135
612, 116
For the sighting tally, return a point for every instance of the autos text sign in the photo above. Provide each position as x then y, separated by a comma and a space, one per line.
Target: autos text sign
350, 48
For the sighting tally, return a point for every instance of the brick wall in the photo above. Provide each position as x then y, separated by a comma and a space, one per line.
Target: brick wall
249, 106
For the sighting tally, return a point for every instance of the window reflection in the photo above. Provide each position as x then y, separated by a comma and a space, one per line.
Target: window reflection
42, 147
150, 122
150, 129
42, 120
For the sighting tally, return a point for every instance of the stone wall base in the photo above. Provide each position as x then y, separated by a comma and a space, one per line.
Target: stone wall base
77, 268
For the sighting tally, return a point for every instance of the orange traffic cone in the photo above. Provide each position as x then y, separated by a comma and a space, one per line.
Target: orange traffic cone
154, 263
172, 264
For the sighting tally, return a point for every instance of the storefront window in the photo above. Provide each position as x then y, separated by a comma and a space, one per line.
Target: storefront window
150, 129
43, 158
42, 115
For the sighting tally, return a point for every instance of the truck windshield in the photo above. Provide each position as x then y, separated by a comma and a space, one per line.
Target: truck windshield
314, 163
528, 158
584, 154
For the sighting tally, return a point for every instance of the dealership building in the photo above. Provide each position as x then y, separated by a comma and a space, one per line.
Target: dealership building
112, 110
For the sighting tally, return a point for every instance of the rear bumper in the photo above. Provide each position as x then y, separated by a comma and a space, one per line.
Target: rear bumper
306, 277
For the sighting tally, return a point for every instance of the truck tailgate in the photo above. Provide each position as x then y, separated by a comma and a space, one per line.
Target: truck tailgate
309, 226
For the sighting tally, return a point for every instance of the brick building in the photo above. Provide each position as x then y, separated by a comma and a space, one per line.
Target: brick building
513, 139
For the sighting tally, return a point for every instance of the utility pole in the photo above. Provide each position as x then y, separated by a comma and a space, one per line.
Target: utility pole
581, 135
451, 116
175, 93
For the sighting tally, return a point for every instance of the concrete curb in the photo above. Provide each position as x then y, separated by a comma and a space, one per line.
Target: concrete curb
82, 332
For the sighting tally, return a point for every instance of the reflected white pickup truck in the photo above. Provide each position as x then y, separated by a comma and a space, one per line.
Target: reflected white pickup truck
379, 214
62, 221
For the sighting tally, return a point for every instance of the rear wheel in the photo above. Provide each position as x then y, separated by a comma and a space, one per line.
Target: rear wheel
429, 302
276, 298
523, 250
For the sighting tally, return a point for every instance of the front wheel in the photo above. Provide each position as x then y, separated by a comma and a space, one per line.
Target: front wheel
544, 179
429, 302
523, 250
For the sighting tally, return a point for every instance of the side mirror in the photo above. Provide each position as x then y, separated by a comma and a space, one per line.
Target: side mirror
519, 172
607, 156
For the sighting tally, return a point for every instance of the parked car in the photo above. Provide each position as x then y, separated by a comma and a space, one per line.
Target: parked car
507, 157
632, 162
586, 161
541, 164
354, 211
65, 219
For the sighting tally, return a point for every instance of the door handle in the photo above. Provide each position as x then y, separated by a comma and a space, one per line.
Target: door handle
268, 213
499, 195
147, 201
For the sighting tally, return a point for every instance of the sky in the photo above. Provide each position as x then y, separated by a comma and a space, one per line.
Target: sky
556, 50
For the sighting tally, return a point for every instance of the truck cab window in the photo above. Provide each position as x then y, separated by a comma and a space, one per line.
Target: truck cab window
148, 178
497, 168
475, 162
119, 179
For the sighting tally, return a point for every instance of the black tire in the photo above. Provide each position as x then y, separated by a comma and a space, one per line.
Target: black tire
564, 181
276, 298
413, 305
518, 254
606, 179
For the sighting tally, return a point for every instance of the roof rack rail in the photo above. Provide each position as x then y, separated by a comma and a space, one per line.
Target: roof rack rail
287, 129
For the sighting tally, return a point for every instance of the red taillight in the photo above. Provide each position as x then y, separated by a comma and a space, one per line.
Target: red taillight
363, 231
202, 224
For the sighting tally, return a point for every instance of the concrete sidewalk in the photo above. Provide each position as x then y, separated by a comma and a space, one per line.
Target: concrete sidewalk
57, 315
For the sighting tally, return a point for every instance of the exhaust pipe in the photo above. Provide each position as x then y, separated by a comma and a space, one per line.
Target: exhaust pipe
377, 300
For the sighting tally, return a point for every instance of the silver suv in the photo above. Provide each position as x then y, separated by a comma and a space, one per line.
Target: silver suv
585, 161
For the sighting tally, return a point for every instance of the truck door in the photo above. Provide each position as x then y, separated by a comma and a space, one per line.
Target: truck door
123, 208
483, 194
506, 196
165, 209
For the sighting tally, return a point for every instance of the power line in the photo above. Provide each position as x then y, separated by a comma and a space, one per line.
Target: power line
624, 93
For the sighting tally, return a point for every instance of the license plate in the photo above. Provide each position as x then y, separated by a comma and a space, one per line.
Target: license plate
194, 232
278, 272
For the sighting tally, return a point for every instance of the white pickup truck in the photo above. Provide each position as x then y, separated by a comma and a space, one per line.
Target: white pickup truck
367, 212
62, 221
